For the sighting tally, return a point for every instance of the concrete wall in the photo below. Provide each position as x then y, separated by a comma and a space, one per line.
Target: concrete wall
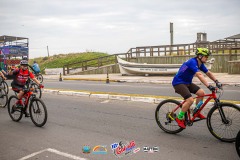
234, 67
102, 70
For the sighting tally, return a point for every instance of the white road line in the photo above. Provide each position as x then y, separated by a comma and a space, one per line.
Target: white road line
53, 151
106, 101
32, 155
65, 154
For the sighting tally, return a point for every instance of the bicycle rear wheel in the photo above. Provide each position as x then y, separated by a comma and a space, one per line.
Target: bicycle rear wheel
162, 116
36, 90
40, 78
15, 113
3, 98
225, 132
38, 112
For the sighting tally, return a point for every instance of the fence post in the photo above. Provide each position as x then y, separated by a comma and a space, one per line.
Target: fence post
64, 71
68, 70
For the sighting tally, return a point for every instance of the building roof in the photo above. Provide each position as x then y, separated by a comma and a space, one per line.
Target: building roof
237, 36
5, 38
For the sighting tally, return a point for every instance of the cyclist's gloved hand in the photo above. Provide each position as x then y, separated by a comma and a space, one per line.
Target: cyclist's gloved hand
41, 86
211, 88
218, 84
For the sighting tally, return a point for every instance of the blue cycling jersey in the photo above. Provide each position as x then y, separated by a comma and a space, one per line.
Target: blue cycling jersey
187, 71
36, 67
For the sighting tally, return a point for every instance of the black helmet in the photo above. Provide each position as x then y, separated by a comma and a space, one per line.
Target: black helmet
24, 62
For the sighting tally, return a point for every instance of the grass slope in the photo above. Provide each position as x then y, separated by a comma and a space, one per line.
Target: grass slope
58, 61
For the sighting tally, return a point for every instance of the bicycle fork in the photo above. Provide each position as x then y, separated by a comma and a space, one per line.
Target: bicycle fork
223, 117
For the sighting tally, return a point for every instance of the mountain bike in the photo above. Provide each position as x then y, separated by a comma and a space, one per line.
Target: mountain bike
3, 84
36, 89
35, 106
237, 144
3, 97
223, 119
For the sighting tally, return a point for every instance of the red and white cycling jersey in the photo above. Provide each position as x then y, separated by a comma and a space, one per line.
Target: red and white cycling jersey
21, 76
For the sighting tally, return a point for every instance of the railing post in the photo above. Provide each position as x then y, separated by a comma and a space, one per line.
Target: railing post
64, 71
85, 66
68, 70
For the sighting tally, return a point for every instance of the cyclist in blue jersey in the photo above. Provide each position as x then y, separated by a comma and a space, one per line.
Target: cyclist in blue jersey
182, 82
36, 67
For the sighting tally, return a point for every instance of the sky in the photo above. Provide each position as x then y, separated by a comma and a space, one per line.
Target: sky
115, 26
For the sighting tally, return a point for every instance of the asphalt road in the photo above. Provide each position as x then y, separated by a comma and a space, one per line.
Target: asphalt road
74, 122
230, 92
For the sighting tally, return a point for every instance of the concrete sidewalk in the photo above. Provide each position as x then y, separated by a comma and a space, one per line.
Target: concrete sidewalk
227, 79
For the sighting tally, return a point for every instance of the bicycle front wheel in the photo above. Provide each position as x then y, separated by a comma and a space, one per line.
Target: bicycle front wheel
238, 143
3, 98
225, 131
163, 120
14, 112
38, 112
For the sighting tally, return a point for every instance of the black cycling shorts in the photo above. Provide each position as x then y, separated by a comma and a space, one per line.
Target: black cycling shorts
16, 87
185, 90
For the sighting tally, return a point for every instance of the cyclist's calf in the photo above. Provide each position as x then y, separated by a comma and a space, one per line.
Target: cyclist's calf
187, 104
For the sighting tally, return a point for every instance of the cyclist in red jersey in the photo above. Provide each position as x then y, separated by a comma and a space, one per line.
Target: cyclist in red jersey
20, 78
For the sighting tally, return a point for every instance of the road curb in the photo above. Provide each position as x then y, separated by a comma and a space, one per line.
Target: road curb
124, 97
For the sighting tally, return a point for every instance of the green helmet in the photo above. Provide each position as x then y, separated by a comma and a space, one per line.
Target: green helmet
203, 51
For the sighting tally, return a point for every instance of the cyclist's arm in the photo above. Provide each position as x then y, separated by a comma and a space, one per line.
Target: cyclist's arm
35, 80
201, 78
3, 72
211, 76
2, 75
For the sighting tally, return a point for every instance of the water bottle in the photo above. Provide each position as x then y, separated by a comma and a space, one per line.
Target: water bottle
197, 106
23, 100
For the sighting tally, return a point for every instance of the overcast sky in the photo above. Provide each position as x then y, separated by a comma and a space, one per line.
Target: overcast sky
115, 26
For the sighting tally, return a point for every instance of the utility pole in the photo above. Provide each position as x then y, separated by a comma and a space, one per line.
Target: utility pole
171, 36
47, 51
171, 33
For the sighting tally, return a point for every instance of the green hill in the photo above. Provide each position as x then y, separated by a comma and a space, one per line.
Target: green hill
58, 61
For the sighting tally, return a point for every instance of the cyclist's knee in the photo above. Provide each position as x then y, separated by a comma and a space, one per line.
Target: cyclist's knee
190, 100
200, 92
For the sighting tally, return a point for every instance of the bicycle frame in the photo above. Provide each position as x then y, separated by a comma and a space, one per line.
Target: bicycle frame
210, 97
27, 96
